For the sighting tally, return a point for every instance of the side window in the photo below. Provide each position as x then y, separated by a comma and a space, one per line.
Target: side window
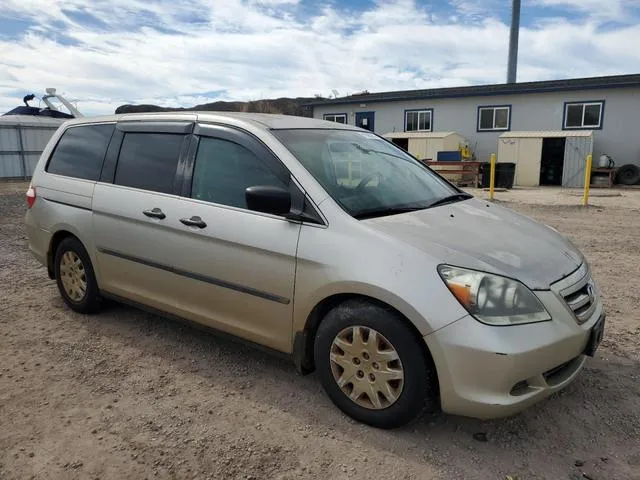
223, 171
81, 150
149, 161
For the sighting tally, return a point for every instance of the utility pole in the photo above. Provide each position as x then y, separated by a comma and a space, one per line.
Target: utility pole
513, 42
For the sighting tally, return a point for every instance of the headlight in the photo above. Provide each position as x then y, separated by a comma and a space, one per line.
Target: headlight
493, 299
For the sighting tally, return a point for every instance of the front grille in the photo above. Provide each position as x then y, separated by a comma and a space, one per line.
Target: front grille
581, 298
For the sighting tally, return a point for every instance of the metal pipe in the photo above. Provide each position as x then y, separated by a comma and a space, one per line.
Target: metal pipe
587, 180
492, 175
513, 42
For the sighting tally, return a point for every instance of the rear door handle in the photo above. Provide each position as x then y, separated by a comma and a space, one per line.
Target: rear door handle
194, 221
155, 213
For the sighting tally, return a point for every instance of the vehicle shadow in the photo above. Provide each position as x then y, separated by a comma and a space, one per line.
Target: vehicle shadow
592, 419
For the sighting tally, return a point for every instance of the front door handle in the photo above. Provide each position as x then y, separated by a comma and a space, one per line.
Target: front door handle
194, 221
155, 213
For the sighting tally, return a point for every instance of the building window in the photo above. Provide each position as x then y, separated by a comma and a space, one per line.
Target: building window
583, 115
336, 117
418, 120
493, 118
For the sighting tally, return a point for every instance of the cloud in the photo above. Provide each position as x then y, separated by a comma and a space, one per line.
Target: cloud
597, 9
183, 52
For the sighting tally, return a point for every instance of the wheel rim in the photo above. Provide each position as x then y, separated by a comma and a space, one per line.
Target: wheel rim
73, 276
366, 367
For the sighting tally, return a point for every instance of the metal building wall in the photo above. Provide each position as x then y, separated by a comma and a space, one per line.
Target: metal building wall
21, 146
575, 153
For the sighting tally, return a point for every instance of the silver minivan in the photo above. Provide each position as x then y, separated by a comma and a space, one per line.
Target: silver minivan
322, 241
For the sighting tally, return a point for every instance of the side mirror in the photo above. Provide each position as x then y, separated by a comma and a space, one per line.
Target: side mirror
268, 199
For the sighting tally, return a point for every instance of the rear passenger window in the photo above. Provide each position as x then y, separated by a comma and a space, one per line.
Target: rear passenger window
81, 150
148, 161
224, 170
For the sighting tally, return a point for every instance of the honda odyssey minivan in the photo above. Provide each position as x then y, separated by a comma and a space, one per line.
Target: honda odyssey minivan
321, 241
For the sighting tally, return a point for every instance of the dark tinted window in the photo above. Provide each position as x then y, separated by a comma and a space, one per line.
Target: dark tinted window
486, 119
412, 121
224, 170
574, 115
148, 161
592, 115
80, 151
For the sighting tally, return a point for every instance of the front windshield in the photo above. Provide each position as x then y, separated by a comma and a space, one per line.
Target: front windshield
364, 173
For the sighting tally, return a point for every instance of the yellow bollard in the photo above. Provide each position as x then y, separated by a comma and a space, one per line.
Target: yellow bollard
492, 176
587, 180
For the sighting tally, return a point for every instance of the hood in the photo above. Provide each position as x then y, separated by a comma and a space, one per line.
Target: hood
483, 236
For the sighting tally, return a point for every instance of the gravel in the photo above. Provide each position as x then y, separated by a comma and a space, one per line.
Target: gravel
127, 395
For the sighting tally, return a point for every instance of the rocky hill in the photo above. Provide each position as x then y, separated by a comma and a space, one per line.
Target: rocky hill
287, 106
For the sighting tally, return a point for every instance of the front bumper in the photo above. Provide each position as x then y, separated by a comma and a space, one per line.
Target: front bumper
487, 372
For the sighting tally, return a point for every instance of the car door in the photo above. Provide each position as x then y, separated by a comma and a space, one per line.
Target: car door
132, 205
238, 265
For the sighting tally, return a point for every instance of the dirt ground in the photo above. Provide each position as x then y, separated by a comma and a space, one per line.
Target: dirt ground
128, 395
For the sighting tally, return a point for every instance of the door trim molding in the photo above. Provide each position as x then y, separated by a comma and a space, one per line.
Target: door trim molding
197, 276
88, 209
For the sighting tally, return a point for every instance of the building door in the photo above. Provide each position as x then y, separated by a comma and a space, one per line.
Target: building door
527, 159
552, 161
365, 120
575, 154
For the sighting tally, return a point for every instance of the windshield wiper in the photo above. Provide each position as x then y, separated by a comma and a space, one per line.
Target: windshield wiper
382, 212
456, 197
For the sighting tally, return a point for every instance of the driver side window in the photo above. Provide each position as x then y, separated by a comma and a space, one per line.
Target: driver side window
223, 171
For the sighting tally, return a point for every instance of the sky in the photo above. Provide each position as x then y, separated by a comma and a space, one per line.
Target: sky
104, 53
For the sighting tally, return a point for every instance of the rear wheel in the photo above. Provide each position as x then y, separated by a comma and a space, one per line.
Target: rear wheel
75, 277
372, 366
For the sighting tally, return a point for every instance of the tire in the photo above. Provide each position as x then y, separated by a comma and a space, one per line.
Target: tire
628, 175
415, 393
73, 270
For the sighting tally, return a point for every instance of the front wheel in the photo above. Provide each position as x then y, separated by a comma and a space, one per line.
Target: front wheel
75, 277
372, 366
